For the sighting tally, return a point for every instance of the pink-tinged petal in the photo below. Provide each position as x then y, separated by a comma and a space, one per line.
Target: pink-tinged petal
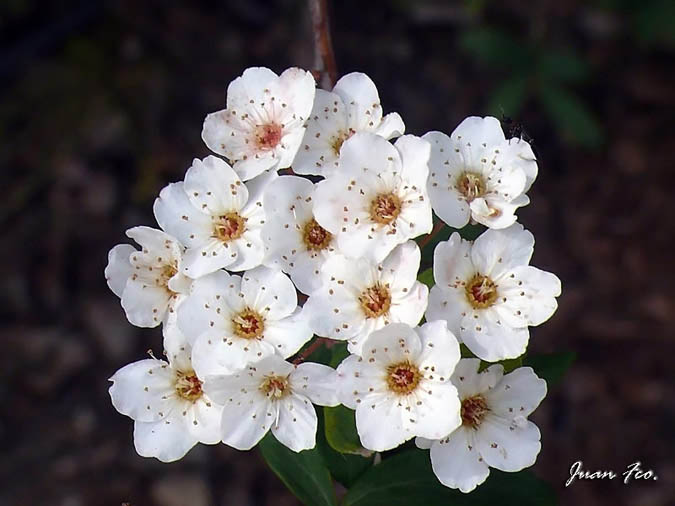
178, 217
270, 292
508, 445
145, 305
213, 187
457, 463
143, 390
517, 394
496, 252
167, 440
296, 427
119, 269
317, 382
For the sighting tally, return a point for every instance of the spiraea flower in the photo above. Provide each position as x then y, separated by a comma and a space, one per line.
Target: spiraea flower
478, 174
149, 282
264, 121
236, 320
166, 400
358, 296
400, 385
378, 199
495, 431
217, 217
294, 241
488, 293
272, 394
353, 106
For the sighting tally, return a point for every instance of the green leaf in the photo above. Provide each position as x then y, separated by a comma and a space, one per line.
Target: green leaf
304, 473
341, 430
407, 478
551, 366
338, 353
471, 232
508, 99
497, 49
572, 117
465, 352
562, 66
344, 468
427, 277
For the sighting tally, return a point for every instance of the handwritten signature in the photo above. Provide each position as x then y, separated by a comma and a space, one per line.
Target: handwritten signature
633, 471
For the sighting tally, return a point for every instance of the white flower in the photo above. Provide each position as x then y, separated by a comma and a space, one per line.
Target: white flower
353, 106
149, 282
358, 297
379, 198
476, 173
216, 216
273, 394
495, 431
294, 241
264, 122
171, 413
400, 387
488, 293
232, 321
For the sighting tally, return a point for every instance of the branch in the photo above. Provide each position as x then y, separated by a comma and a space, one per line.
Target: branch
428, 238
324, 57
312, 348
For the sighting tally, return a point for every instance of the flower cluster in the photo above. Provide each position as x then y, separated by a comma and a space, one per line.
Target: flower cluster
237, 241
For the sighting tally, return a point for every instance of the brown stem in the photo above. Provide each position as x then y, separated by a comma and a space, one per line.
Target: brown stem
312, 348
324, 57
436, 230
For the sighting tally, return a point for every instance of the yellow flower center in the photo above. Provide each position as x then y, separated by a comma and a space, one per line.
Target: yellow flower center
315, 237
248, 324
471, 185
230, 226
473, 411
275, 387
188, 385
481, 292
403, 378
375, 301
385, 208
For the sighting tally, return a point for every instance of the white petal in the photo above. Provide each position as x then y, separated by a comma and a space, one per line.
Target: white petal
440, 350
216, 353
298, 87
288, 147
452, 263
213, 186
415, 153
338, 316
202, 420
356, 377
286, 200
289, 334
209, 257
249, 249
296, 427
517, 394
360, 96
411, 307
448, 305
530, 296
478, 135
145, 305
434, 409
143, 390
379, 423
457, 463
518, 153
491, 339
119, 269
423, 443
470, 382
394, 343
508, 445
178, 217
401, 266
270, 292
495, 214
391, 126
167, 440
317, 382
159, 248
252, 166
495, 252
367, 150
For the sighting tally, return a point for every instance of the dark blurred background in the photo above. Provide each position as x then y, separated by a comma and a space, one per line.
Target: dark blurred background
102, 104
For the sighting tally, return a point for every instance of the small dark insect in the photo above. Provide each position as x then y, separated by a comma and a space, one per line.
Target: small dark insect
513, 128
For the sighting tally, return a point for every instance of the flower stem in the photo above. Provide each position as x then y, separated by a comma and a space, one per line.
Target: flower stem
302, 356
437, 228
324, 57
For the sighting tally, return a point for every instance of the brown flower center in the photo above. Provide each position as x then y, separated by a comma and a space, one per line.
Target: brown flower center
471, 185
275, 387
188, 385
473, 411
315, 237
168, 272
481, 292
403, 378
230, 226
385, 208
375, 301
248, 324
268, 136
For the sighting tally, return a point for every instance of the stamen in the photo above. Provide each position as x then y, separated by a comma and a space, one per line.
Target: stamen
473, 411
481, 292
315, 237
275, 387
268, 136
403, 378
188, 385
230, 226
248, 324
471, 185
385, 208
375, 301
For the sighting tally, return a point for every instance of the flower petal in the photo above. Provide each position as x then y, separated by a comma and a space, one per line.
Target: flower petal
508, 445
497, 251
119, 269
296, 427
178, 217
316, 382
145, 305
167, 440
269, 291
360, 96
214, 187
457, 463
517, 394
491, 339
